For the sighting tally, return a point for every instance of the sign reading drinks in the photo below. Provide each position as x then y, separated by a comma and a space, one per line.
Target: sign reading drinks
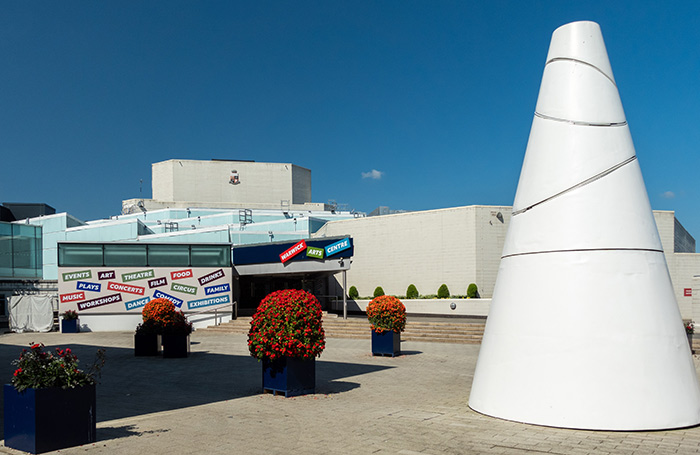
126, 290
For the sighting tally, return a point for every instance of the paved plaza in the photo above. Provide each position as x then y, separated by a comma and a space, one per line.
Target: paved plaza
211, 402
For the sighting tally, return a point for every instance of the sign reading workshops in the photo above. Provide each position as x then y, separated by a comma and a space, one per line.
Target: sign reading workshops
93, 290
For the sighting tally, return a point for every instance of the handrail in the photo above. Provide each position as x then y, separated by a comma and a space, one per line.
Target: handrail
213, 309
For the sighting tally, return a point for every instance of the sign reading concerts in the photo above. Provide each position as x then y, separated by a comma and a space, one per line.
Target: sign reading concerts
127, 289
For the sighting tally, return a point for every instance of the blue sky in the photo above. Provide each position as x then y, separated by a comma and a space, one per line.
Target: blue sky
410, 104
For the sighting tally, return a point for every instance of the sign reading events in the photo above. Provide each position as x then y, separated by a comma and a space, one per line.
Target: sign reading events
127, 290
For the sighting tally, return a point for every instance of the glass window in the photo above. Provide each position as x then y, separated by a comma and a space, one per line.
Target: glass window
211, 255
125, 255
169, 255
79, 255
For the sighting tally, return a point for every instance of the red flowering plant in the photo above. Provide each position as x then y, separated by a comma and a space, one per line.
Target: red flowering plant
161, 317
38, 369
386, 313
287, 323
70, 314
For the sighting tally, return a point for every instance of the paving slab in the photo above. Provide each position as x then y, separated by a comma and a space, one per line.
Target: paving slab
211, 402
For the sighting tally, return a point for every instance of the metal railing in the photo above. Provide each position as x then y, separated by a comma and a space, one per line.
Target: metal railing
216, 309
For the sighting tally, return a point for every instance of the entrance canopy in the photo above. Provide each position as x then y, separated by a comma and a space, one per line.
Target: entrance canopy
305, 264
328, 254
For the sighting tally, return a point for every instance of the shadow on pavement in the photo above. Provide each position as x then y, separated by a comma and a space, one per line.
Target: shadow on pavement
132, 386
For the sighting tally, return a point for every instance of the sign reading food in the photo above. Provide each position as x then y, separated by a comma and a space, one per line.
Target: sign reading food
181, 274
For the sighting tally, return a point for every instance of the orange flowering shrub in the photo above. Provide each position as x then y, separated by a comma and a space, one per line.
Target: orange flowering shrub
386, 312
160, 316
287, 323
158, 310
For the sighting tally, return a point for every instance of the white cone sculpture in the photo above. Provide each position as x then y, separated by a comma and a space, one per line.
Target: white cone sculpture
584, 330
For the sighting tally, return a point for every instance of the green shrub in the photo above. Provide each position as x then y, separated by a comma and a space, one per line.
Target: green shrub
378, 291
352, 293
472, 291
412, 292
443, 292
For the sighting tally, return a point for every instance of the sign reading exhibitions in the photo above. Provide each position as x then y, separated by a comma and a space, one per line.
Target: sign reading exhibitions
196, 287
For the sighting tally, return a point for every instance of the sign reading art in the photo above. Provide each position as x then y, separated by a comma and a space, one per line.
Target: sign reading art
127, 289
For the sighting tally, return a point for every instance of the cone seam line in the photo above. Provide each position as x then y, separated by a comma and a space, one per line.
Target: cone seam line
578, 185
582, 250
578, 122
569, 59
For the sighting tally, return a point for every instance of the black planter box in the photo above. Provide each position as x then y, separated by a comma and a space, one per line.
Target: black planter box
146, 344
70, 326
42, 420
290, 376
387, 342
175, 346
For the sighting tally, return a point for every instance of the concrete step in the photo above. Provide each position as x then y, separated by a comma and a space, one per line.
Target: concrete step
359, 328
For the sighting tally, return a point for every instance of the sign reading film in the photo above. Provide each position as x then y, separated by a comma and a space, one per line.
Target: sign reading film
128, 289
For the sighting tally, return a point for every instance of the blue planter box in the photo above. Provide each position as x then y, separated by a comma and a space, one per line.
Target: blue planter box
70, 326
386, 343
146, 344
175, 346
43, 420
290, 376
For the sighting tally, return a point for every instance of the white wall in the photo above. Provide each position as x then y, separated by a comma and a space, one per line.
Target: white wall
456, 246
208, 181
436, 307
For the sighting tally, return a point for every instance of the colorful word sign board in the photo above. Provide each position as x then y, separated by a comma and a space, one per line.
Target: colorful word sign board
126, 290
337, 247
